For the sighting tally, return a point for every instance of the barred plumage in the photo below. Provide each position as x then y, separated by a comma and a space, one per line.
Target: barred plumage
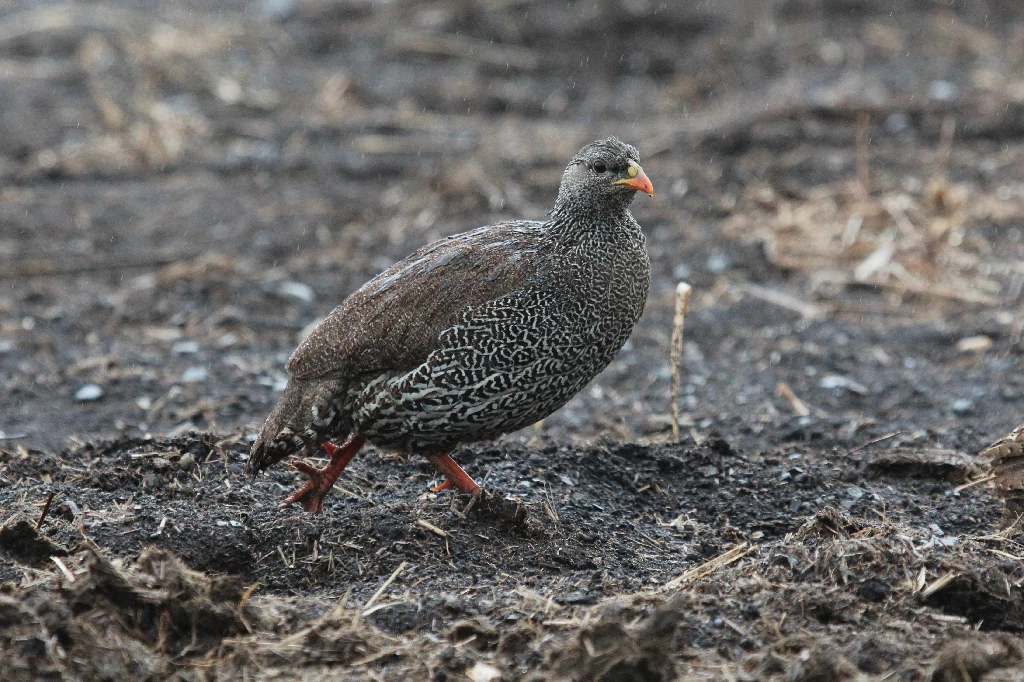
475, 335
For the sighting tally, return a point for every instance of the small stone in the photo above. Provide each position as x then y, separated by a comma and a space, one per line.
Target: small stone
150, 481
718, 263
67, 510
483, 672
227, 340
194, 375
279, 10
854, 493
942, 90
187, 461
275, 383
974, 344
88, 393
161, 464
302, 292
962, 405
185, 348
839, 381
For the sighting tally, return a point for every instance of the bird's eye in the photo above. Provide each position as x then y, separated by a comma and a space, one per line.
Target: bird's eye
599, 166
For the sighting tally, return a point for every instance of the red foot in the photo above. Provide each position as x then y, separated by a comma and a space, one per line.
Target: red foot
444, 486
455, 477
311, 496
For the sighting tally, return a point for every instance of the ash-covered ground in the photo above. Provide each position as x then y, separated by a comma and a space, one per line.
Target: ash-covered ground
187, 187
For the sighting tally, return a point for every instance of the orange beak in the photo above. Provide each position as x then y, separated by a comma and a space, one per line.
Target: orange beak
637, 180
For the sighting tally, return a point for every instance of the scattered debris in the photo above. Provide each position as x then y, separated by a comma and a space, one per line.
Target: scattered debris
928, 463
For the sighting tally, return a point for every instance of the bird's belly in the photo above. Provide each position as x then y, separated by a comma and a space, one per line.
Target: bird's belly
439, 405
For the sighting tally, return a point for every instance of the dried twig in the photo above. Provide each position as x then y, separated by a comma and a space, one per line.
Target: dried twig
863, 159
876, 440
464, 47
380, 590
431, 527
683, 293
248, 593
711, 566
46, 509
971, 484
799, 407
945, 150
63, 569
939, 584
784, 300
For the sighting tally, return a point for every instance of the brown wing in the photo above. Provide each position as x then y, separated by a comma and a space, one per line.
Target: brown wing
393, 321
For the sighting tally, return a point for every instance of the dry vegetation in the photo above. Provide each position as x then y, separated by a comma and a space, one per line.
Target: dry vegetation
186, 190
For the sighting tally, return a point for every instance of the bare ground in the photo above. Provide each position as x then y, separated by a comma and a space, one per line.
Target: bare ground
185, 190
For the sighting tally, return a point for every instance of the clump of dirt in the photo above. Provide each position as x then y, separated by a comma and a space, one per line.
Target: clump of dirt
20, 540
100, 620
620, 647
972, 657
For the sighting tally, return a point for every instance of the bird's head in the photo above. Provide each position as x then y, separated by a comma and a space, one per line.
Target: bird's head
605, 173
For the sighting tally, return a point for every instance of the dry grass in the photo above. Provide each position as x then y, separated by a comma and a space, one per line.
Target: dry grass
94, 616
915, 240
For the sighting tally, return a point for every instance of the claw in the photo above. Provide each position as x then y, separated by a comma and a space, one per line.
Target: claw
444, 486
454, 476
311, 495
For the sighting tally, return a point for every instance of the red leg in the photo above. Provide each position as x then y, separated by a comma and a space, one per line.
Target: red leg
311, 496
455, 477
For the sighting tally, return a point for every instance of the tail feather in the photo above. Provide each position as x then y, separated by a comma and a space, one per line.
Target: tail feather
309, 412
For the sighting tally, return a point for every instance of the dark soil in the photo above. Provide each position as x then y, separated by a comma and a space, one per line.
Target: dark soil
186, 189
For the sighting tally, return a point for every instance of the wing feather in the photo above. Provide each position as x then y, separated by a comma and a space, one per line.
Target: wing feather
393, 322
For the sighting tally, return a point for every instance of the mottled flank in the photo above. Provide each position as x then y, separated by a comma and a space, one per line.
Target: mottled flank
478, 334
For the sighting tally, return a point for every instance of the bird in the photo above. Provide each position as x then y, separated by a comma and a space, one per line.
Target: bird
473, 336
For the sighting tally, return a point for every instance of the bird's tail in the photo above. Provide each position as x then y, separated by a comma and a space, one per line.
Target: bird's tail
309, 412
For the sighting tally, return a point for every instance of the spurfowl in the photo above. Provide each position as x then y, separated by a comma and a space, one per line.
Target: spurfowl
473, 336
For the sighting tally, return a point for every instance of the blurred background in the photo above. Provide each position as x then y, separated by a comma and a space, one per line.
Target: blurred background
186, 186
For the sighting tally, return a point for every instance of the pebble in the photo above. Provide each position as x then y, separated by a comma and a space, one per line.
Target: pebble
962, 405
185, 348
194, 375
302, 292
942, 90
67, 510
278, 10
718, 263
88, 393
186, 461
839, 381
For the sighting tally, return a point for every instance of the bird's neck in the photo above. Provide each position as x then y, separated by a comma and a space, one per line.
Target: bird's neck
604, 216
